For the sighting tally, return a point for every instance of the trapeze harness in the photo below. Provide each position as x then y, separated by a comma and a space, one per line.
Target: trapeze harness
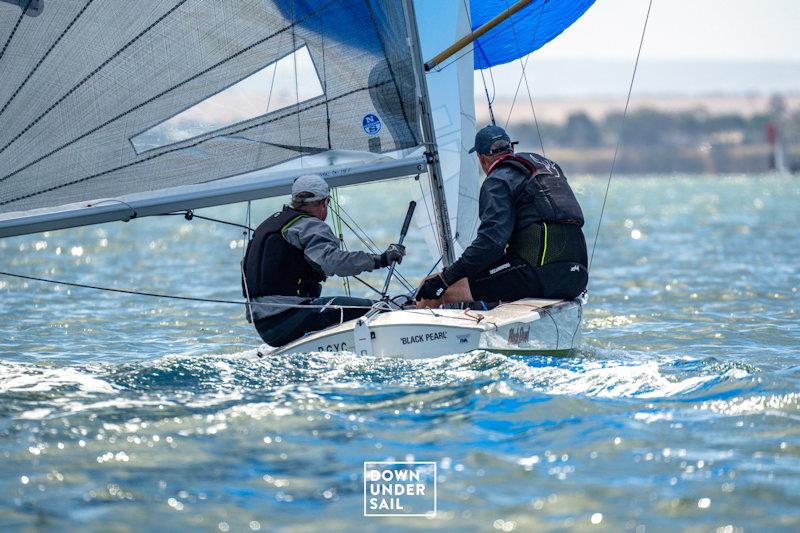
548, 222
273, 267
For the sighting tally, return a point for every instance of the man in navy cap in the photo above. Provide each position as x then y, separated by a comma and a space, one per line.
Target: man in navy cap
291, 254
529, 244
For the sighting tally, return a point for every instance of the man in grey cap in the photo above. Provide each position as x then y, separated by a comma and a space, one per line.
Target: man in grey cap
529, 244
291, 254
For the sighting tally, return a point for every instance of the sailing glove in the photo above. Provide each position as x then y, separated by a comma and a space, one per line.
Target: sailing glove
431, 289
394, 253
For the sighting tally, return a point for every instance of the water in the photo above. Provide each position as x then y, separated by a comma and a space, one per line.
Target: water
679, 412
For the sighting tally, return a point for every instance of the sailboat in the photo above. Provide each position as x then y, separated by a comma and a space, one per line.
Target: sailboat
191, 104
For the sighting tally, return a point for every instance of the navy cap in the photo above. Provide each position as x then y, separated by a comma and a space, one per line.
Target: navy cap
491, 140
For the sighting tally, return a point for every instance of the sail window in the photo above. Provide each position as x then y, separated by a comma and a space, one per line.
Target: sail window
289, 81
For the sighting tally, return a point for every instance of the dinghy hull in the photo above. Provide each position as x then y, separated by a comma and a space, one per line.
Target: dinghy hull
524, 327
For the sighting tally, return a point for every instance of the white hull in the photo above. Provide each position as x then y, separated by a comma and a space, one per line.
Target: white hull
529, 326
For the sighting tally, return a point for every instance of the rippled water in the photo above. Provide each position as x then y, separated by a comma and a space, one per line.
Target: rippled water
679, 411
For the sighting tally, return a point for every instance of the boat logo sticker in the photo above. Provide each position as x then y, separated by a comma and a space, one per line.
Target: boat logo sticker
371, 124
519, 335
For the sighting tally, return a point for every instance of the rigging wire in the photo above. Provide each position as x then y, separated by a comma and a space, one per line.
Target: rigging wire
427, 201
369, 243
524, 76
190, 215
245, 249
337, 224
177, 297
521, 15
489, 101
621, 131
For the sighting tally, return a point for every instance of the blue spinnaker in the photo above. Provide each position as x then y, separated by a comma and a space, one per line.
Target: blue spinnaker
527, 30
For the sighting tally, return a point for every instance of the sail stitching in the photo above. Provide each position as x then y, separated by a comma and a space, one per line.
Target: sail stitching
13, 31
192, 145
46, 54
391, 70
152, 99
92, 73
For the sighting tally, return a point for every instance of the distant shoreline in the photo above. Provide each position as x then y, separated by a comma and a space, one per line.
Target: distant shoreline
558, 109
706, 160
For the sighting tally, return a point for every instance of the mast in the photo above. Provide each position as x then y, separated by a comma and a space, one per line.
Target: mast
429, 138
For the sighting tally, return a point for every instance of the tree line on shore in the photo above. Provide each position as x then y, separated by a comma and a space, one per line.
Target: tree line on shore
658, 141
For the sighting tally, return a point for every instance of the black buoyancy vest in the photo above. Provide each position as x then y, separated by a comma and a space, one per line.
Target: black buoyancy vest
273, 267
546, 197
549, 218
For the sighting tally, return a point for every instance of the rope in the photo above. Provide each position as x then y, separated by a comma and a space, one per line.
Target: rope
621, 131
177, 297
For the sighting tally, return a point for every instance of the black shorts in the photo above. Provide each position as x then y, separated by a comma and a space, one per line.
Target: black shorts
511, 278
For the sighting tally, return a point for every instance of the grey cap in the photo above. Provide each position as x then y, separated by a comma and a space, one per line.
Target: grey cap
491, 140
310, 183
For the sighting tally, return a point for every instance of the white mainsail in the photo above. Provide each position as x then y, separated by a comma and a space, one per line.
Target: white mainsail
114, 110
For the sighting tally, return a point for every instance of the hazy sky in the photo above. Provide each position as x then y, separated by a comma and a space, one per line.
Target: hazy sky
692, 47
684, 29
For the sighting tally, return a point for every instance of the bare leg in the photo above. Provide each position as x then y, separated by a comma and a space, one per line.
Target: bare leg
457, 292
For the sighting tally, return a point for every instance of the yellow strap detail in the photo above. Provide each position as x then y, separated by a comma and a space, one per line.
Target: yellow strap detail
286, 226
544, 248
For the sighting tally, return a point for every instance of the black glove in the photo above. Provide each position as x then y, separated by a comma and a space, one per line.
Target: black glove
394, 253
431, 289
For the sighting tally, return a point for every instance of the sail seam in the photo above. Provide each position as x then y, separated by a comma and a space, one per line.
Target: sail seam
391, 70
149, 100
13, 31
192, 145
92, 73
46, 54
